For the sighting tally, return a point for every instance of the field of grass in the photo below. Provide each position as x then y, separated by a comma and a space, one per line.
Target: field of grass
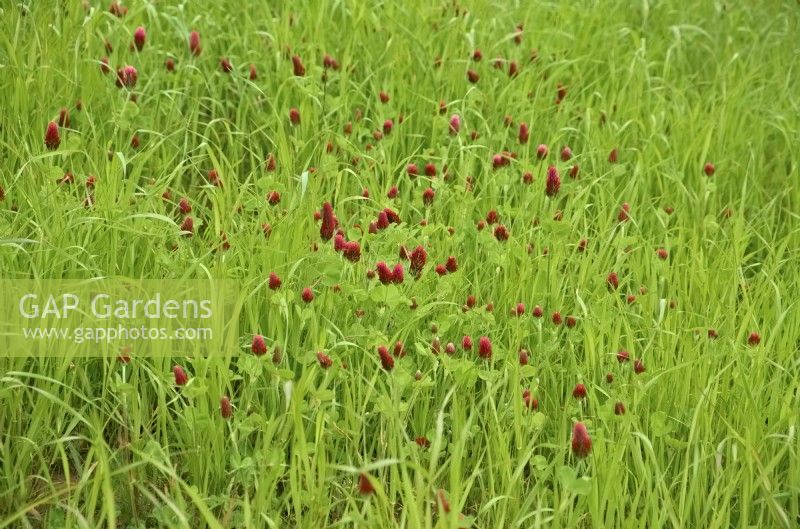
607, 202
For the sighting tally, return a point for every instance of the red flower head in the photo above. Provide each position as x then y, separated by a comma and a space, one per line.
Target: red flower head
308, 295
513, 69
383, 221
484, 348
524, 357
492, 217
530, 402
754, 339
274, 198
328, 222
553, 183
623, 356
609, 377
466, 343
386, 359
573, 171
619, 408
51, 137
455, 124
387, 126
180, 376
392, 193
253, 72
472, 76
392, 216
566, 154
612, 280
352, 251
364, 485
384, 272
127, 77
579, 392
418, 259
430, 169
709, 169
297, 66
428, 196
713, 334
294, 116
613, 156
501, 233
451, 264
329, 62
259, 347
622, 216
274, 281
399, 349
537, 311
225, 408
187, 226
524, 132
556, 318
397, 273
63, 117
542, 151
519, 310
581, 442
422, 441
139, 37
662, 253
638, 366
440, 269
194, 43
383, 96
412, 170
104, 67
324, 360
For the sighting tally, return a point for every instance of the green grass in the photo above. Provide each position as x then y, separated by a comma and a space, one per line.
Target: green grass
710, 435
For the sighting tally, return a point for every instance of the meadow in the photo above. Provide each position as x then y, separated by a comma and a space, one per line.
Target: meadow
501, 264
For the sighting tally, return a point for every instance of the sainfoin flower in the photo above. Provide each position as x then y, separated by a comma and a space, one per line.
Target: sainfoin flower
274, 281
52, 139
581, 442
180, 376
324, 360
328, 222
259, 347
139, 37
553, 183
225, 408
455, 124
194, 43
364, 485
386, 359
127, 76
418, 259
484, 347
297, 66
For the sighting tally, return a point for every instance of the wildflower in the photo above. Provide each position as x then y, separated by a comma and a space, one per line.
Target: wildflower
297, 66
472, 76
579, 392
328, 222
455, 124
638, 366
542, 151
258, 347
386, 359
709, 169
51, 137
581, 442
324, 360
225, 408
139, 37
612, 280
274, 281
553, 182
619, 408
484, 348
530, 402
307, 295
754, 339
623, 356
180, 376
524, 133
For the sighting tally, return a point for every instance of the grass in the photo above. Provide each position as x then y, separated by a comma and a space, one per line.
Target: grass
710, 435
